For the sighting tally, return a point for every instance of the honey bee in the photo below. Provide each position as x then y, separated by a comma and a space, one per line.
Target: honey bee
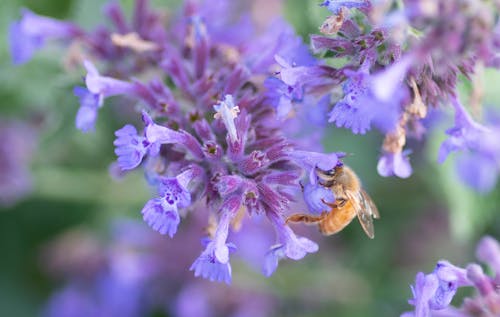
351, 200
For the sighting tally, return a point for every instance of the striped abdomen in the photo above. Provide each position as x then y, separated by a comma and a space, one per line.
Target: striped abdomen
337, 219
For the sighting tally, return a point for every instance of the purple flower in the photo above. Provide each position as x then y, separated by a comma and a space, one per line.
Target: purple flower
397, 164
478, 165
213, 263
336, 5
237, 164
436, 290
433, 293
488, 251
161, 213
289, 245
315, 197
30, 33
371, 99
131, 147
92, 97
87, 113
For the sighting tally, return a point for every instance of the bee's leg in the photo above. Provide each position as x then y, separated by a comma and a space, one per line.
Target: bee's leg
305, 218
343, 201
336, 204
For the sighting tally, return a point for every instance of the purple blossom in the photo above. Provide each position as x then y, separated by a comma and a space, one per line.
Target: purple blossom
30, 33
478, 164
87, 113
213, 263
289, 245
315, 197
433, 293
216, 144
92, 97
371, 99
397, 164
131, 147
336, 5
161, 213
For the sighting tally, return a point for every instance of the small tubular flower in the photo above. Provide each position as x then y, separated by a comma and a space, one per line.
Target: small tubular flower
213, 263
289, 245
433, 293
30, 33
161, 213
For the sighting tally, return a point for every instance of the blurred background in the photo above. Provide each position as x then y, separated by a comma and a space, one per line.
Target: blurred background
61, 213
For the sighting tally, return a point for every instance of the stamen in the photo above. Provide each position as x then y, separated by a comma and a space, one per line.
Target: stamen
227, 112
133, 41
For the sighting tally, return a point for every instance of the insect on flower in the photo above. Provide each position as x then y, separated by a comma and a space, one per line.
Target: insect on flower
350, 200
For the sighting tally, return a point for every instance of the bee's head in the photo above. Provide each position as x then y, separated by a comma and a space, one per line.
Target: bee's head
329, 176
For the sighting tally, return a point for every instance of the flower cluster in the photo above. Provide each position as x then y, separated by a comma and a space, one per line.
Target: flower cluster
396, 61
433, 293
131, 274
211, 142
224, 107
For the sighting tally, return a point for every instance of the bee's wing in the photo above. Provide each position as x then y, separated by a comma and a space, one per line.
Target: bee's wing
369, 202
361, 202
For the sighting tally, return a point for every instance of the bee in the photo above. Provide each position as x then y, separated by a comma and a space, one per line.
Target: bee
351, 200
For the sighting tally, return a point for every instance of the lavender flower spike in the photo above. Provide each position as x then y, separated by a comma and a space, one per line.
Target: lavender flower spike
30, 33
213, 263
227, 112
161, 213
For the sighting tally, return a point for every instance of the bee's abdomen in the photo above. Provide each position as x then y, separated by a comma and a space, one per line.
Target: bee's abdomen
337, 219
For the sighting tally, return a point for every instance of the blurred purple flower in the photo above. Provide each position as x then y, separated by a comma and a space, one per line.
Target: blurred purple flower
371, 99
478, 164
433, 293
30, 33
17, 148
397, 164
336, 5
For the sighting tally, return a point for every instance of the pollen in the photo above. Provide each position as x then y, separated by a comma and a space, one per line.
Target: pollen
133, 41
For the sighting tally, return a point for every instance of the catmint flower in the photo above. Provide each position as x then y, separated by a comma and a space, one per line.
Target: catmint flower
290, 246
211, 141
316, 197
30, 33
161, 213
383, 85
478, 163
92, 98
336, 5
213, 263
433, 293
394, 164
370, 99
